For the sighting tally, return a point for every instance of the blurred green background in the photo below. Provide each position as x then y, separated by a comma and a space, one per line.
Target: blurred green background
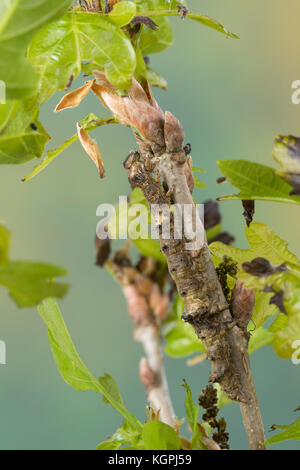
232, 97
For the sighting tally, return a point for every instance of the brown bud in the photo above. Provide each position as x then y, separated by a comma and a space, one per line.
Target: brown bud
189, 174
159, 303
242, 304
137, 305
147, 375
174, 133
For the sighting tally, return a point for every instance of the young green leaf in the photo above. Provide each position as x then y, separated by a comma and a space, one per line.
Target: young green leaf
58, 50
181, 338
259, 338
156, 8
4, 244
160, 436
30, 283
154, 41
71, 367
22, 137
122, 13
192, 413
256, 182
289, 433
20, 21
263, 243
263, 309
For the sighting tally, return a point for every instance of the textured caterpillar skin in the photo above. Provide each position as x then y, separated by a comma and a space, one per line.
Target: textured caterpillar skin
205, 306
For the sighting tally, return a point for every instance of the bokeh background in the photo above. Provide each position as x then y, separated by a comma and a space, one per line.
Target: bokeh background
233, 97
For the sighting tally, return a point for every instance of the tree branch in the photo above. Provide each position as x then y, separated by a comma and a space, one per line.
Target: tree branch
147, 307
161, 137
205, 306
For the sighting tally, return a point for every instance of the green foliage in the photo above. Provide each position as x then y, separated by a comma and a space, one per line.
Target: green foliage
181, 338
256, 182
291, 432
71, 367
160, 436
28, 283
20, 21
192, 413
266, 244
263, 243
162, 8
122, 13
58, 50
22, 137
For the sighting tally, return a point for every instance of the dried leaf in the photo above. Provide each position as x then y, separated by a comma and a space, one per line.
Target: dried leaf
262, 267
249, 210
74, 98
91, 148
144, 20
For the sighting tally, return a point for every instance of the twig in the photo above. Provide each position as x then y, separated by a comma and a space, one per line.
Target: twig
147, 308
161, 138
205, 305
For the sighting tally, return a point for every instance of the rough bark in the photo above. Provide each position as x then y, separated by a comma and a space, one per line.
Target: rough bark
205, 306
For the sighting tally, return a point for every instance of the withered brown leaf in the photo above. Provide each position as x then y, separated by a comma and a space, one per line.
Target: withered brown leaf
92, 149
249, 210
74, 98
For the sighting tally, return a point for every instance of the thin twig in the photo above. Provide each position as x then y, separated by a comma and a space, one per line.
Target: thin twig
147, 307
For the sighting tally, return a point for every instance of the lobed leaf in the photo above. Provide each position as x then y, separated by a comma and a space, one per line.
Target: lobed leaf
289, 433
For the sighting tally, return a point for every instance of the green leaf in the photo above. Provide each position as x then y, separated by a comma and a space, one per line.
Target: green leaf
211, 23
263, 242
192, 413
4, 244
182, 340
160, 436
88, 124
154, 41
263, 309
256, 182
30, 283
286, 340
109, 383
109, 445
122, 13
20, 21
150, 248
156, 8
289, 433
71, 367
155, 79
58, 50
22, 137
259, 338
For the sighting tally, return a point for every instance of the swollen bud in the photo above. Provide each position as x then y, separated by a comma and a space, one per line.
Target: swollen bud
242, 304
147, 376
